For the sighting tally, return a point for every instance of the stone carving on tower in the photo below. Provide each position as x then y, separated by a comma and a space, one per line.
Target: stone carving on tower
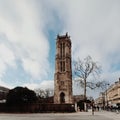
63, 70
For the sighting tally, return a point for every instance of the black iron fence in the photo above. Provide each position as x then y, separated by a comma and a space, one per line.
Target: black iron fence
37, 108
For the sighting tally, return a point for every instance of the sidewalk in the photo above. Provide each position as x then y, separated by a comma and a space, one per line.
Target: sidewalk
107, 114
102, 115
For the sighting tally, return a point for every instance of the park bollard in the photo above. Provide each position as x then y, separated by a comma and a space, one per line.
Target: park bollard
117, 112
92, 111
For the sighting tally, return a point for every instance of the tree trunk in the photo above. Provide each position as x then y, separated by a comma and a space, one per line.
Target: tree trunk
85, 89
85, 107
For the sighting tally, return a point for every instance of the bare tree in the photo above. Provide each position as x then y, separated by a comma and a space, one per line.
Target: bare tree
44, 93
48, 92
104, 85
39, 92
86, 69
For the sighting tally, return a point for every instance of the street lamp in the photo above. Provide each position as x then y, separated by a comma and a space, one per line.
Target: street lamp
103, 100
106, 94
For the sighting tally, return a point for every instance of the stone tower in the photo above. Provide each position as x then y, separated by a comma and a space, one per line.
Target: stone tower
63, 71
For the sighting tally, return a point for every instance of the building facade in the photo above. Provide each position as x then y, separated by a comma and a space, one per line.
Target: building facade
3, 94
113, 94
63, 71
100, 101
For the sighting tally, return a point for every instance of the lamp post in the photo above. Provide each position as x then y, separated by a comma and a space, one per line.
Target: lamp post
107, 94
103, 100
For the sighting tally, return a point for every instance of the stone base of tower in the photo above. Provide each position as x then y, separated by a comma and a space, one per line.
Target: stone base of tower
68, 100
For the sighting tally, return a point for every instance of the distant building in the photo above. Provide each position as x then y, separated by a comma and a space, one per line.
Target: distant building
77, 98
3, 94
100, 101
63, 70
111, 96
113, 93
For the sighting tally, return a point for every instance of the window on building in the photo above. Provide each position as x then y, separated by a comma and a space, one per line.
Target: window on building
61, 66
62, 50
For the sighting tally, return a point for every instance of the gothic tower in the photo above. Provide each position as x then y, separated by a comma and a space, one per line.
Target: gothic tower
63, 71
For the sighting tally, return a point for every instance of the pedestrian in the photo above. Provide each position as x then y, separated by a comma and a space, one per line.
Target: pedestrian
93, 109
98, 108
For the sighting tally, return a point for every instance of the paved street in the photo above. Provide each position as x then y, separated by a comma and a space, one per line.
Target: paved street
63, 116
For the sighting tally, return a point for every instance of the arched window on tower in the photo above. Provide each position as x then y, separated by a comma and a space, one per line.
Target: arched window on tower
63, 66
62, 97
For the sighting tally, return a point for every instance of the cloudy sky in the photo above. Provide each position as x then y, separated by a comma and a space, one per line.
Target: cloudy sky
28, 29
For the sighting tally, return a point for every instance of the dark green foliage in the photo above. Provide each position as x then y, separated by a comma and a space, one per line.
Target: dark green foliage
80, 104
20, 95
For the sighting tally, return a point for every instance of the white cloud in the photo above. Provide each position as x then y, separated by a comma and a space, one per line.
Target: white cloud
93, 25
2, 83
45, 84
7, 58
94, 28
22, 26
31, 66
